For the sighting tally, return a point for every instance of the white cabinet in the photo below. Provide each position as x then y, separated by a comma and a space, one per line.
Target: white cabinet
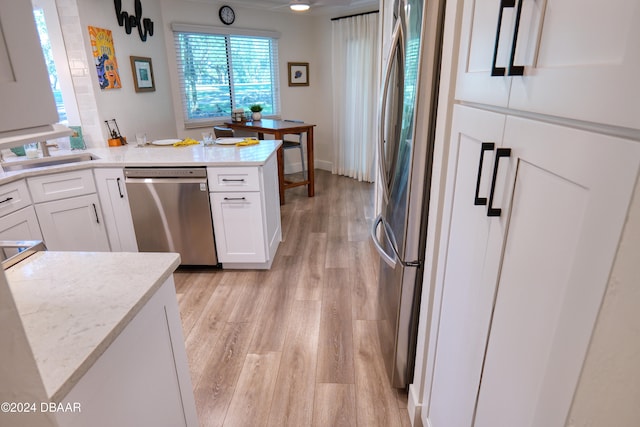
20, 225
24, 79
142, 378
582, 68
115, 207
18, 219
522, 290
245, 206
69, 212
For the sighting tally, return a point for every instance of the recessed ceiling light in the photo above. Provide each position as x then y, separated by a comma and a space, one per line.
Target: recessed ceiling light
299, 6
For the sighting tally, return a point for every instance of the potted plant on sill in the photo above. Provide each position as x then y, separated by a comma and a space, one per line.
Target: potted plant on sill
256, 111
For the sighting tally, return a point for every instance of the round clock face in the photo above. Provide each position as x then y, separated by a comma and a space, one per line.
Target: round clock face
227, 15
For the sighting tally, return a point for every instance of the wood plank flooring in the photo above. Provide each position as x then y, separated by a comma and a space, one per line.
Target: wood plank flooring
296, 345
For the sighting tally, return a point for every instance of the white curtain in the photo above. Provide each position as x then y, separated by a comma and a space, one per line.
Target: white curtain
355, 96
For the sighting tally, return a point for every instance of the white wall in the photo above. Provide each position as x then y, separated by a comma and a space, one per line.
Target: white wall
148, 111
304, 38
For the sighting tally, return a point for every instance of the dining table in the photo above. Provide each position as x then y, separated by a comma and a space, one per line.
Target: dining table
280, 128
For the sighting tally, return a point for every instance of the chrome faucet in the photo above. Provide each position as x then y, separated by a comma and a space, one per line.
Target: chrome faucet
45, 148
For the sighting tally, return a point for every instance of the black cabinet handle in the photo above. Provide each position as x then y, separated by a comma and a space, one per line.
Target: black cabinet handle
119, 188
516, 70
500, 71
500, 152
95, 210
486, 146
232, 180
234, 198
8, 199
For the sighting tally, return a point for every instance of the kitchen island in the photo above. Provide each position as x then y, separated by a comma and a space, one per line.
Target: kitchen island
105, 332
78, 200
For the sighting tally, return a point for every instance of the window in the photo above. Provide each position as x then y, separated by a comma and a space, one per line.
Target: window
220, 72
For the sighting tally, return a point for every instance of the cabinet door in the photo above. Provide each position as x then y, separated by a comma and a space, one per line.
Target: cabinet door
115, 206
584, 68
570, 191
467, 293
238, 227
477, 42
20, 225
24, 80
73, 224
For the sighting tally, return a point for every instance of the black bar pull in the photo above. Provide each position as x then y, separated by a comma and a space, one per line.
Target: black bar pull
486, 146
8, 199
95, 210
232, 180
500, 152
516, 70
234, 198
119, 188
500, 71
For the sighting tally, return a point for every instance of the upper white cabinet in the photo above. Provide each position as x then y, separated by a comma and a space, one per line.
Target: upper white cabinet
115, 206
24, 80
577, 59
535, 213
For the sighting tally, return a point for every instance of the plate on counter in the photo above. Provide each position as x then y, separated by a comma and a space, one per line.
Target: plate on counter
228, 141
165, 141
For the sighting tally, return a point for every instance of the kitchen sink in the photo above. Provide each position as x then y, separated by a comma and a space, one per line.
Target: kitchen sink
46, 161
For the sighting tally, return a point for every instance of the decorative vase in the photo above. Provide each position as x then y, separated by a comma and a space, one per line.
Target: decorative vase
256, 115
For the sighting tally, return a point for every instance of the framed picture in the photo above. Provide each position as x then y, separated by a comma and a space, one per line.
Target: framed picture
298, 73
142, 74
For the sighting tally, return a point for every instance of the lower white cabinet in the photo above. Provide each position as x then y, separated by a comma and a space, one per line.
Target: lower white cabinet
20, 225
533, 234
245, 205
237, 218
69, 212
115, 207
73, 224
142, 378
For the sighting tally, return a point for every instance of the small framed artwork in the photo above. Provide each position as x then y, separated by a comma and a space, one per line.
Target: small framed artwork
142, 74
298, 73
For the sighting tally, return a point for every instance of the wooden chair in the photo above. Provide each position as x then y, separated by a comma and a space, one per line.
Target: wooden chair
287, 144
223, 132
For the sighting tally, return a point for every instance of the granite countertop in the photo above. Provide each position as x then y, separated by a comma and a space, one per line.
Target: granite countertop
74, 304
151, 155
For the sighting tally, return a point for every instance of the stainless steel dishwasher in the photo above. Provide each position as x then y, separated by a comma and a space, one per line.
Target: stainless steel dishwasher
172, 213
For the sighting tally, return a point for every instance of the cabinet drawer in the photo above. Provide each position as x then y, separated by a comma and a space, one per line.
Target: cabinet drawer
233, 179
61, 185
13, 196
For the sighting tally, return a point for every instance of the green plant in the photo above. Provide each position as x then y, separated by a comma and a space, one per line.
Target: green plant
256, 108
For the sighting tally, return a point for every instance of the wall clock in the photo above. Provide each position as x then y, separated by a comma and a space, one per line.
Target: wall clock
227, 15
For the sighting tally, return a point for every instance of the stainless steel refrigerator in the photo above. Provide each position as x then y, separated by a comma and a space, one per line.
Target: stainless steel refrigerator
409, 98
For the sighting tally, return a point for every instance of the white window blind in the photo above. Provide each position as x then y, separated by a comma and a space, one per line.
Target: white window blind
219, 72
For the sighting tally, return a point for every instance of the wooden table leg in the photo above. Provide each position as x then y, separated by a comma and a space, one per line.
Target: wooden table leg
281, 173
310, 172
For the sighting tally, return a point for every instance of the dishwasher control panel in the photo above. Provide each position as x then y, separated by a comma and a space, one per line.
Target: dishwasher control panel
159, 172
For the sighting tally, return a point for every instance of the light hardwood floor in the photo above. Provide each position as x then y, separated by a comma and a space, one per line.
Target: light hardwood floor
296, 345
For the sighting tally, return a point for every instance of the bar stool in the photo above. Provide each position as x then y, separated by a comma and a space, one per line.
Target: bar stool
288, 144
223, 132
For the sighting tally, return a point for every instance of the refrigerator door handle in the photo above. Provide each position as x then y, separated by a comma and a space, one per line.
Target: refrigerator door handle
396, 43
391, 261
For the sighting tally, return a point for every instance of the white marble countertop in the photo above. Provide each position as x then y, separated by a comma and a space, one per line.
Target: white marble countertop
74, 304
151, 155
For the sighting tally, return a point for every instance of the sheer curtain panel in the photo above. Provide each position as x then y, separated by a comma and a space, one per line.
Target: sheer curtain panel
355, 95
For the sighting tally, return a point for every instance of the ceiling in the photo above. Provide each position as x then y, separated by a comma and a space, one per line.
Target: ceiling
318, 7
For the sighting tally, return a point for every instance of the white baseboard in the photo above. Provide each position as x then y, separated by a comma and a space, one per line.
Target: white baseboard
414, 407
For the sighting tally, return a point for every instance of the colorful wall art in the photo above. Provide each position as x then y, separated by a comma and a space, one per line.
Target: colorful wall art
104, 56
